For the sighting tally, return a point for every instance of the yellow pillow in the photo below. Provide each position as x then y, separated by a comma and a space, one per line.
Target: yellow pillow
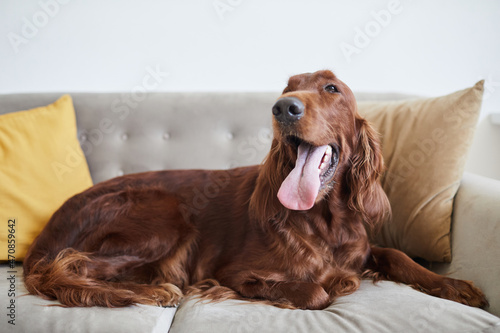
425, 144
41, 165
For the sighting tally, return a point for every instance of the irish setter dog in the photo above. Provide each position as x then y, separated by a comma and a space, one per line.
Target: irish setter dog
291, 232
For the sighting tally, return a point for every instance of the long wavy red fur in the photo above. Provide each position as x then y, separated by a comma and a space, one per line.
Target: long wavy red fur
153, 237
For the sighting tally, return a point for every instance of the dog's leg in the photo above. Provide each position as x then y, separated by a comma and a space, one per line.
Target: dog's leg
273, 287
77, 279
134, 247
394, 265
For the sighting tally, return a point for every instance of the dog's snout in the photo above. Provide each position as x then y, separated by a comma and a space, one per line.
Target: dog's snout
288, 110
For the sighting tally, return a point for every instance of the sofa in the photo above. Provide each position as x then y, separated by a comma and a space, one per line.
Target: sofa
122, 133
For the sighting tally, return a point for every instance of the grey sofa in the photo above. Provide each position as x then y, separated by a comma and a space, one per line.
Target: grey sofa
220, 130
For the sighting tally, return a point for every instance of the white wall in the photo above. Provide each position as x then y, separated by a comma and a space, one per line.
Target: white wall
422, 47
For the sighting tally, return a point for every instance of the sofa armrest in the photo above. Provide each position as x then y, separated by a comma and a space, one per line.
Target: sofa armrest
475, 237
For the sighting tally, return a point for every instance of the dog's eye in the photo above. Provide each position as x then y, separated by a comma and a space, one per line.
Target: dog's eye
331, 88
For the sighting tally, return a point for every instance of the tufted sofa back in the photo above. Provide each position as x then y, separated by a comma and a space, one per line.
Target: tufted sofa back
124, 133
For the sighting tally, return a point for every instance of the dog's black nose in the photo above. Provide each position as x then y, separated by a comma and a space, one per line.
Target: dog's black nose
288, 110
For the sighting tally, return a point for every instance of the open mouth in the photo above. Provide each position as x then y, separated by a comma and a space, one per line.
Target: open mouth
328, 163
314, 169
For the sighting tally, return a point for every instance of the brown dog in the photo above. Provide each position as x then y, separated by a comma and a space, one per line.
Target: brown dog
290, 232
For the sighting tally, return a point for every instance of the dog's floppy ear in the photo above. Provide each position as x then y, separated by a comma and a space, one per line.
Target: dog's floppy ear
366, 165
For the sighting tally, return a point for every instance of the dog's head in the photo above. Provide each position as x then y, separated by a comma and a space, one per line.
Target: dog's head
326, 141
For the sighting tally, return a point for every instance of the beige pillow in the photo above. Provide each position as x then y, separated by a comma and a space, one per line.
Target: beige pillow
425, 144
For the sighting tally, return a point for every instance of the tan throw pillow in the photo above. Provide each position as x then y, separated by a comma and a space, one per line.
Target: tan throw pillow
425, 144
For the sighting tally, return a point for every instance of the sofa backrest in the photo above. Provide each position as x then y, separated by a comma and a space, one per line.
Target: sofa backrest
124, 133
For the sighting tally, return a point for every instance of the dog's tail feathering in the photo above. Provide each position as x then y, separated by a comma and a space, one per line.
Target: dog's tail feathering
71, 279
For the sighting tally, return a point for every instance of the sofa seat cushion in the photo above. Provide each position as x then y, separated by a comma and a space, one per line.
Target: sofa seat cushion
381, 307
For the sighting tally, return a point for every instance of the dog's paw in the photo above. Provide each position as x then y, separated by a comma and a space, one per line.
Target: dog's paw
306, 296
462, 292
164, 295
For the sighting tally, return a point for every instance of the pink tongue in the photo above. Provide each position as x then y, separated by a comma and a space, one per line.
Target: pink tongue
300, 189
